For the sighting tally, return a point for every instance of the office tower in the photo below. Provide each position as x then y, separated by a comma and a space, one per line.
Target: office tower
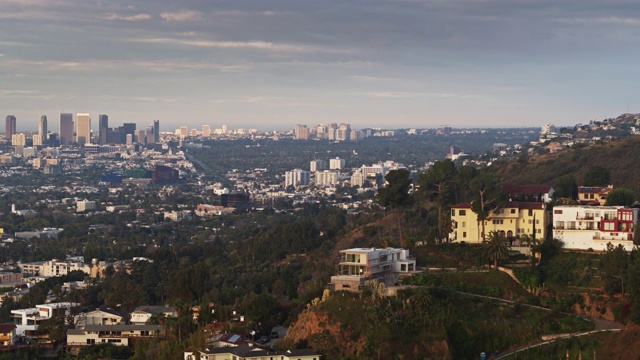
128, 139
10, 127
206, 131
83, 129
129, 129
317, 165
42, 130
184, 131
66, 128
156, 131
194, 132
224, 129
140, 136
103, 129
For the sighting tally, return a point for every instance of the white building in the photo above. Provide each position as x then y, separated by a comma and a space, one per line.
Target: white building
593, 227
142, 314
317, 165
28, 320
18, 139
53, 268
336, 164
361, 264
296, 177
327, 178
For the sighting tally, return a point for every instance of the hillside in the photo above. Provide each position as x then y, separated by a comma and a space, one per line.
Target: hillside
421, 322
620, 157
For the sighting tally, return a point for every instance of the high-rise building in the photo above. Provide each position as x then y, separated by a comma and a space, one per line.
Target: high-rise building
140, 136
301, 132
184, 131
224, 129
66, 128
129, 129
83, 129
10, 127
327, 178
336, 164
317, 165
296, 177
42, 129
206, 131
156, 131
18, 140
103, 129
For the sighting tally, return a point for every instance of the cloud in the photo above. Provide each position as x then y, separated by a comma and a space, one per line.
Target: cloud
256, 45
136, 17
242, 99
120, 65
153, 99
184, 15
409, 95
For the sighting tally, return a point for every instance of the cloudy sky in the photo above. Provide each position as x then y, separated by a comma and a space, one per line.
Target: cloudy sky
271, 64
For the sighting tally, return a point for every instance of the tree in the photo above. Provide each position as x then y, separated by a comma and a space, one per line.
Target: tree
620, 197
532, 243
436, 185
614, 265
487, 197
567, 187
395, 194
596, 176
495, 247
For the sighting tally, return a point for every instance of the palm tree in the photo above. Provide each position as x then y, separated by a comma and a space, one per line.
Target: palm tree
495, 247
532, 243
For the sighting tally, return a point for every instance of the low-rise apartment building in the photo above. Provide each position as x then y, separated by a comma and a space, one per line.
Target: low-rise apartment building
593, 227
249, 352
121, 335
512, 220
361, 264
53, 267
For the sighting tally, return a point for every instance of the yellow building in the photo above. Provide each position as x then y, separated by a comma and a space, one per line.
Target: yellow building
512, 220
593, 195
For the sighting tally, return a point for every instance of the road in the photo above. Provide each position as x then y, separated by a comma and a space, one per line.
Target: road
600, 326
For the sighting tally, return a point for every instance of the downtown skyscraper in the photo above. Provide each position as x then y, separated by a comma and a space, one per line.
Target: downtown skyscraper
83, 129
66, 128
42, 129
10, 127
156, 131
103, 129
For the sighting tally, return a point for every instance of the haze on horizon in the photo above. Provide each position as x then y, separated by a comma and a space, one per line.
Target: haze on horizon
271, 64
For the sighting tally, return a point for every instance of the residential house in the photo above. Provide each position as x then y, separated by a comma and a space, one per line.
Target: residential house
512, 220
593, 195
248, 352
27, 321
226, 340
593, 227
101, 316
361, 264
142, 314
7, 334
529, 193
121, 335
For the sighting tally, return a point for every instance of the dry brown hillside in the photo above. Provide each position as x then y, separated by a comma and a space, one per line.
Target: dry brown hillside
621, 157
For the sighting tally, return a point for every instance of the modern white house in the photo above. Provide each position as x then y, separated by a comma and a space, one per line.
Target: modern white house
27, 321
358, 265
98, 317
142, 314
586, 227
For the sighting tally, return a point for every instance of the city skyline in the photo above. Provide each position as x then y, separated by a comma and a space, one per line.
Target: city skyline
272, 64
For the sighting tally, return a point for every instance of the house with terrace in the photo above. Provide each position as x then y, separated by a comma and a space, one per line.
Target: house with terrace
358, 265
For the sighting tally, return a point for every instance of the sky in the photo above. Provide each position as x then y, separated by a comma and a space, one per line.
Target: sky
270, 64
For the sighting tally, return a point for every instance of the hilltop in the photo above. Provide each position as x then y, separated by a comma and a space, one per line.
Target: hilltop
620, 157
